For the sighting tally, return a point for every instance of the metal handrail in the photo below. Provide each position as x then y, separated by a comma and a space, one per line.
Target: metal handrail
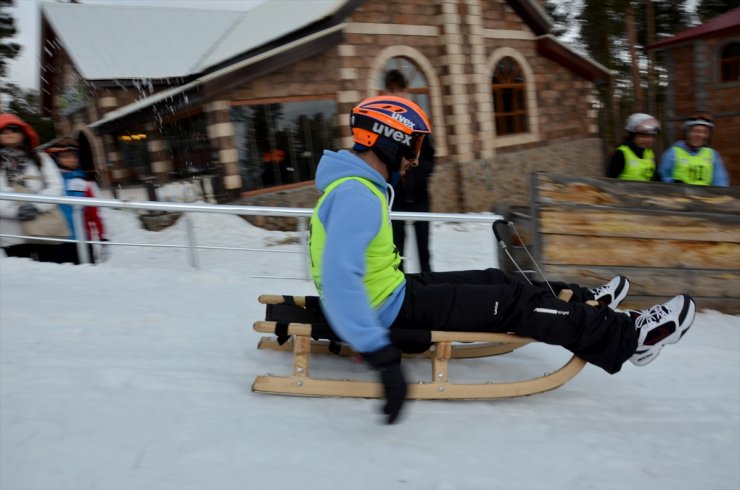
301, 214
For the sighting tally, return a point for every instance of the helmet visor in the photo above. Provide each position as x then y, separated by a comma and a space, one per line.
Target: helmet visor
412, 152
649, 126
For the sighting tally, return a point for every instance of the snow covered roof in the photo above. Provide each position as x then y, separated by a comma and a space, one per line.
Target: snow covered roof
267, 22
108, 42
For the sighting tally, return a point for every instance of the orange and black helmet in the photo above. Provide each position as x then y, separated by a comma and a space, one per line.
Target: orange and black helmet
392, 127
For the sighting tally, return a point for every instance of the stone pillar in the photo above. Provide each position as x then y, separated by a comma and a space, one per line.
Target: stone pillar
159, 154
221, 134
347, 98
456, 98
118, 172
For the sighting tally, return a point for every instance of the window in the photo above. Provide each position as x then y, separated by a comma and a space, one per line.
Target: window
134, 152
190, 148
417, 85
508, 90
281, 143
730, 63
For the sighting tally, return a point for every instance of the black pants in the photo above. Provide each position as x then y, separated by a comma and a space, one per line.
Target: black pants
59, 253
490, 301
421, 228
71, 254
40, 252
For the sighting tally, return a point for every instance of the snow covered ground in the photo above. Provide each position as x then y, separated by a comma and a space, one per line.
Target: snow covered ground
136, 374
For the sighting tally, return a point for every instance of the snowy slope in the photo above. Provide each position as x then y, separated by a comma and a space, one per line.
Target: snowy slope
135, 374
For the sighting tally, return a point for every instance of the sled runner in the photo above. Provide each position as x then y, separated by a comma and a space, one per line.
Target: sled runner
298, 325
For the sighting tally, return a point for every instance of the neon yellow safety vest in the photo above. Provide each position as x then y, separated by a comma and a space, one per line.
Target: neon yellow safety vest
637, 168
693, 169
382, 260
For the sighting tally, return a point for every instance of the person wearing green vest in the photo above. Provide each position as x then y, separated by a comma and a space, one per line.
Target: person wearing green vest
634, 159
691, 160
363, 292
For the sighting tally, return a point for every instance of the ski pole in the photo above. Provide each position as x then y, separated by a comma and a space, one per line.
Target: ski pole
506, 250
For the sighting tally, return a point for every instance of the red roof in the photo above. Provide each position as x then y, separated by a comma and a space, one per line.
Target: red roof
727, 21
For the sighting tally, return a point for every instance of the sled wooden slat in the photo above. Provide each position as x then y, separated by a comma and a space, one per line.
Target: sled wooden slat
459, 351
277, 299
299, 386
263, 326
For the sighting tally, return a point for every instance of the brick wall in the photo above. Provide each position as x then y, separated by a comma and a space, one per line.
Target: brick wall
504, 179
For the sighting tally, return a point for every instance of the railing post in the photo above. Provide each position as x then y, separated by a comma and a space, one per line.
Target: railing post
192, 254
80, 234
412, 250
302, 232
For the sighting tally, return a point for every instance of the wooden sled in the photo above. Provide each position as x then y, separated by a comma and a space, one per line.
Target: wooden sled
459, 351
303, 341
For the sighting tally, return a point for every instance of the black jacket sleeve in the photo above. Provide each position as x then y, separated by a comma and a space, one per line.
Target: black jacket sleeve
616, 164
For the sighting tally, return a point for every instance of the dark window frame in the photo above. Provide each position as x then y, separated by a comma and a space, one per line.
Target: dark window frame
417, 84
277, 153
729, 63
509, 95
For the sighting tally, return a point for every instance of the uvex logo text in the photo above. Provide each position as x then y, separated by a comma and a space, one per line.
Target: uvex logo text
404, 120
391, 133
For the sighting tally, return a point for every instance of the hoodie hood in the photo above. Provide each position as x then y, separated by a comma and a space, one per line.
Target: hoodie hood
336, 165
13, 120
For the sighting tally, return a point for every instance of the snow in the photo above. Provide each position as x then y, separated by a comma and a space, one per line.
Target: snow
136, 374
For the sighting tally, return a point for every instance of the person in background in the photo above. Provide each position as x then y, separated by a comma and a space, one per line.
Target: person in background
634, 159
363, 293
65, 153
21, 165
411, 189
692, 160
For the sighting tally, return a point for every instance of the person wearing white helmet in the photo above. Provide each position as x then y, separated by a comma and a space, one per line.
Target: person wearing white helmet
691, 160
634, 159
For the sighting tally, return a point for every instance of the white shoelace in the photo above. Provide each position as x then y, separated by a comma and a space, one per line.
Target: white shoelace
654, 314
599, 291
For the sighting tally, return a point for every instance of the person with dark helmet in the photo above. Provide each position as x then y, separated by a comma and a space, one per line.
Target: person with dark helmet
363, 293
691, 160
412, 190
634, 159
66, 154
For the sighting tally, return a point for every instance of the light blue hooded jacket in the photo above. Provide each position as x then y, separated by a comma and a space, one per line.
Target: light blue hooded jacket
352, 215
720, 177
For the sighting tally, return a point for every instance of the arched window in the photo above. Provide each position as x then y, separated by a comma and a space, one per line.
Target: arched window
417, 86
730, 63
508, 89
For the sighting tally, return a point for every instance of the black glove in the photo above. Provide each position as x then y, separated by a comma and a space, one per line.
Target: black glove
27, 212
387, 361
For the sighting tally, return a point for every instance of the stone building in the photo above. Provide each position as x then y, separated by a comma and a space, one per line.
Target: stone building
251, 99
704, 76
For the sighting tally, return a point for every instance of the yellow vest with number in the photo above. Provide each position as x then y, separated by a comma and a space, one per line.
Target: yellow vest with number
382, 261
693, 169
637, 168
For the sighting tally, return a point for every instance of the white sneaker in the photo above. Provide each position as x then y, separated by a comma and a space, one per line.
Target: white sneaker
613, 292
661, 325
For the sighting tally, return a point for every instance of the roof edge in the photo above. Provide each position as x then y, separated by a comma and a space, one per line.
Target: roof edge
715, 26
579, 64
533, 15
